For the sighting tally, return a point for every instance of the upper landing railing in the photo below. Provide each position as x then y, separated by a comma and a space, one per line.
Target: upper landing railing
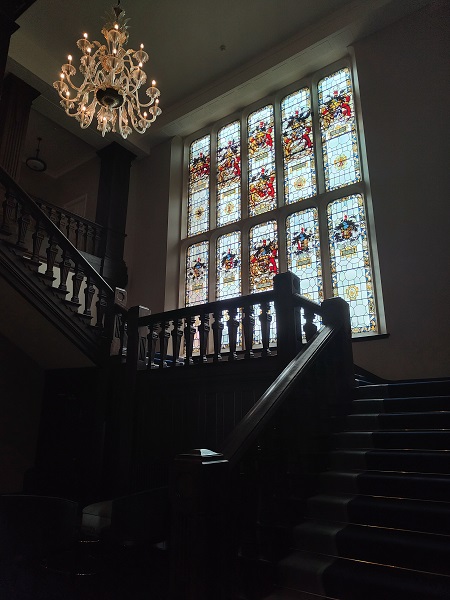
228, 330
75, 295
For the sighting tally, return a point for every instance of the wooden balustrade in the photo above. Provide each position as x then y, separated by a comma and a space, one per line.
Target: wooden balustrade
39, 246
275, 322
85, 235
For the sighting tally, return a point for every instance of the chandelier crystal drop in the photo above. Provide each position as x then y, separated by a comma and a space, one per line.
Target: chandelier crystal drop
112, 79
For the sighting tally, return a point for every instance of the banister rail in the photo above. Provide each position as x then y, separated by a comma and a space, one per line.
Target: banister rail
37, 245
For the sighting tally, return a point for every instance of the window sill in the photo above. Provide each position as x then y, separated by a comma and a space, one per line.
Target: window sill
370, 337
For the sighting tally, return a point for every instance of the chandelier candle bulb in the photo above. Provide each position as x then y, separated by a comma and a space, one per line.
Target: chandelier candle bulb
112, 78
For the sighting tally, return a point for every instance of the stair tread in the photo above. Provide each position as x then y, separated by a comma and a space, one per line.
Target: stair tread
352, 579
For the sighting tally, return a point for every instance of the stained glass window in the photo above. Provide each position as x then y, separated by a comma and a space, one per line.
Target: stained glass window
228, 266
229, 174
309, 139
338, 128
199, 173
351, 272
261, 162
303, 252
197, 274
263, 256
298, 150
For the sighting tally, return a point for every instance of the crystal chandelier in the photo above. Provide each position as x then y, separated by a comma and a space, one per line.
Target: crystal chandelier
112, 79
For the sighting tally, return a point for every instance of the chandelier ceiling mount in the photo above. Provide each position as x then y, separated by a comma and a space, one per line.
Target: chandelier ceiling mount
113, 77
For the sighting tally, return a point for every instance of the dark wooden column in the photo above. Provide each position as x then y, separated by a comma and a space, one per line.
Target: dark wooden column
112, 204
7, 28
15, 105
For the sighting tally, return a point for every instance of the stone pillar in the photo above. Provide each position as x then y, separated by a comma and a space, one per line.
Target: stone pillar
15, 105
112, 204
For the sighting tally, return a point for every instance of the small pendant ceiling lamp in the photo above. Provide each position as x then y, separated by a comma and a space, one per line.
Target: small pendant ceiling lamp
112, 79
34, 162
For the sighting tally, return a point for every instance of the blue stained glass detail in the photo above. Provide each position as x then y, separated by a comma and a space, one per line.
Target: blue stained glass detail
197, 274
351, 271
228, 261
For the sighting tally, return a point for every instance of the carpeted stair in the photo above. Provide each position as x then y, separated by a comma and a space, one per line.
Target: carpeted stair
379, 529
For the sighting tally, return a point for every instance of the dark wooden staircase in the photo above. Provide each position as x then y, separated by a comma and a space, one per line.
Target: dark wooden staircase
379, 526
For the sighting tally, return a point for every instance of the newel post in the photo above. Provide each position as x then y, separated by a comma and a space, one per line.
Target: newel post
200, 534
137, 339
336, 313
289, 327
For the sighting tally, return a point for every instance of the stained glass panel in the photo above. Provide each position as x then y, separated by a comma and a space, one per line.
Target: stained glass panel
263, 256
298, 150
261, 162
229, 174
303, 252
197, 274
338, 128
351, 271
198, 194
228, 266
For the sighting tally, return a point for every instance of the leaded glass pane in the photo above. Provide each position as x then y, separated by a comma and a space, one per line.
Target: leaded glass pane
197, 274
298, 150
263, 256
228, 266
198, 194
303, 252
229, 174
261, 162
350, 261
338, 128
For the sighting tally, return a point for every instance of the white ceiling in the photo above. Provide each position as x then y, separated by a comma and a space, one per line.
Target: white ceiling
267, 44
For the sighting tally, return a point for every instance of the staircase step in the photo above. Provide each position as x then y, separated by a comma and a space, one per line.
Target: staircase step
438, 387
398, 513
423, 461
284, 594
385, 421
426, 439
406, 549
387, 405
385, 483
354, 580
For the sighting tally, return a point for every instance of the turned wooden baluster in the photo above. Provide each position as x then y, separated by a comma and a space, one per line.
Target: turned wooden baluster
232, 325
90, 244
9, 206
64, 268
164, 336
71, 233
89, 292
203, 330
81, 236
309, 327
24, 223
265, 318
217, 328
189, 332
102, 305
38, 237
177, 334
249, 328
52, 251
152, 339
77, 279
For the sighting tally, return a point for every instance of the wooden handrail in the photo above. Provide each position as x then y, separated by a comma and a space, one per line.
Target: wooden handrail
247, 430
